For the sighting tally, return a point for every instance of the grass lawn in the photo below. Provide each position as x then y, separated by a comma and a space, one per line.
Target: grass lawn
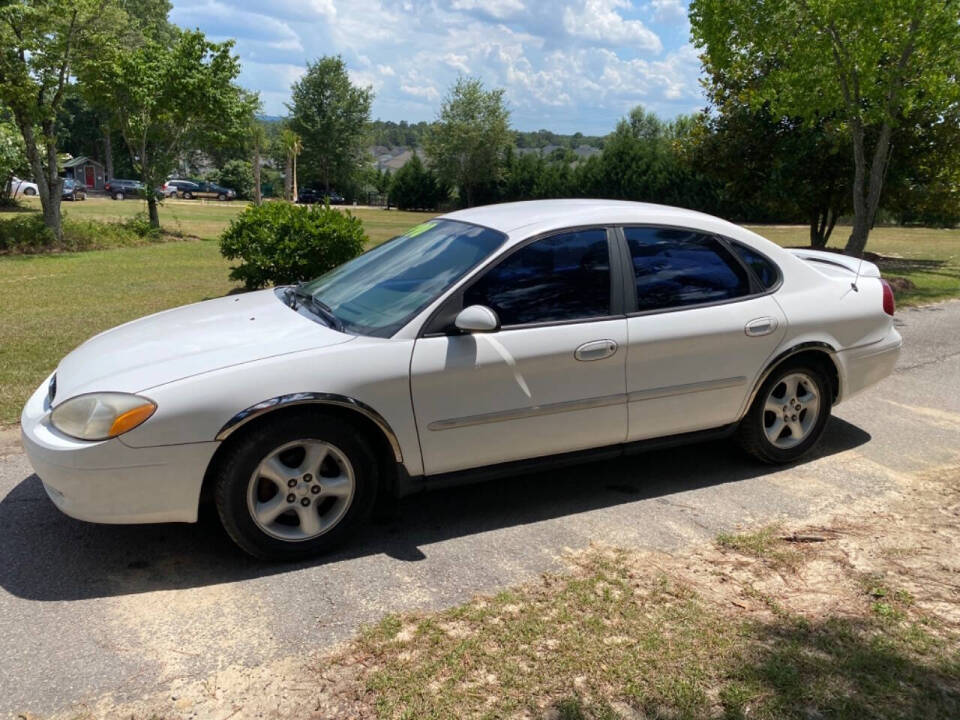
927, 257
51, 303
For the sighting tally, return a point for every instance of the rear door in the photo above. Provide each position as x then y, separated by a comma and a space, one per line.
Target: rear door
550, 381
704, 324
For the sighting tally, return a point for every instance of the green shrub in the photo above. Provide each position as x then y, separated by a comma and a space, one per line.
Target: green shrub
279, 242
25, 233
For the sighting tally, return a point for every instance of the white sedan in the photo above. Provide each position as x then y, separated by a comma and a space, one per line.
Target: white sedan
491, 340
20, 188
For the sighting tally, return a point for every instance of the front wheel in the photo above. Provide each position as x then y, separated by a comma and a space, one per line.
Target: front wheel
221, 197
788, 414
296, 487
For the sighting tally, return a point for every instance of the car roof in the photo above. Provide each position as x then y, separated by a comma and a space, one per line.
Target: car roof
555, 214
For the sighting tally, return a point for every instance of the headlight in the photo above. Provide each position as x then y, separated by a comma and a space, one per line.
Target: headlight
99, 416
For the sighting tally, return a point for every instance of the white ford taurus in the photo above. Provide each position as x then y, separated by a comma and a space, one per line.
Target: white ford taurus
494, 339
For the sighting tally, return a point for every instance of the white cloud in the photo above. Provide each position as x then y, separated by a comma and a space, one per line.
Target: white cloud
599, 21
565, 64
500, 9
669, 9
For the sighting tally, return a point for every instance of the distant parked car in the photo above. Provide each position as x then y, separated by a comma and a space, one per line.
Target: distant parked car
309, 196
18, 188
73, 190
174, 188
189, 189
119, 189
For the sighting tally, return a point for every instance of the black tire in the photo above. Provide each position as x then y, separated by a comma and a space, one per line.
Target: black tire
188, 196
751, 434
233, 474
118, 195
221, 197
30, 192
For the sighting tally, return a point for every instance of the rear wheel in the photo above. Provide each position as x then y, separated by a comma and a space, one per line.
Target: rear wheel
297, 487
29, 191
788, 414
118, 195
188, 196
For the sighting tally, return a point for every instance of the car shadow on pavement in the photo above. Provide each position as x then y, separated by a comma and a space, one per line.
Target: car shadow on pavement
45, 555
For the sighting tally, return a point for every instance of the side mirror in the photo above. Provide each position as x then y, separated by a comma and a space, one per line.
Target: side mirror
477, 318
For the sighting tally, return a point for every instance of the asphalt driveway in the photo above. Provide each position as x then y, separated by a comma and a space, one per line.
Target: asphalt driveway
88, 610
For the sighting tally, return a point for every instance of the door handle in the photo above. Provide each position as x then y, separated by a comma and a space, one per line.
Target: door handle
761, 326
595, 350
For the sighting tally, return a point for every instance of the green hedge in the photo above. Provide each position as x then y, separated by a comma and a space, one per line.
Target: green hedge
280, 243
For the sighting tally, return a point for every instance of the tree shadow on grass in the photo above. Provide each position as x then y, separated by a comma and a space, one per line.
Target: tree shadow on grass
844, 668
840, 668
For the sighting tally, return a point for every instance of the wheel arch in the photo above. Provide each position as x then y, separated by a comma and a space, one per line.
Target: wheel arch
821, 354
359, 414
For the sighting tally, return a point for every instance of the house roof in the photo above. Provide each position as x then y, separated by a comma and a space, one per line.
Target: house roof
82, 160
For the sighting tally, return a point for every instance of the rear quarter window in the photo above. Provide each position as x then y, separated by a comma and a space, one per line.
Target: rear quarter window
764, 269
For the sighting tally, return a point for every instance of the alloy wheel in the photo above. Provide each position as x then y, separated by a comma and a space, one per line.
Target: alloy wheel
301, 490
791, 410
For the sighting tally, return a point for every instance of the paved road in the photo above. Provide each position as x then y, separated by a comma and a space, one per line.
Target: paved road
87, 610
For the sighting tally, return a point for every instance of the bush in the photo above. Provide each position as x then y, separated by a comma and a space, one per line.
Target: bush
25, 234
280, 243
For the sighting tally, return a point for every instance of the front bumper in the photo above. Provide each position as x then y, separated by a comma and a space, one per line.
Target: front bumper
108, 481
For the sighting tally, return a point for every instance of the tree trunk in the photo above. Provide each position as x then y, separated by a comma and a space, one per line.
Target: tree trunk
287, 174
294, 192
107, 152
257, 197
861, 228
152, 209
866, 198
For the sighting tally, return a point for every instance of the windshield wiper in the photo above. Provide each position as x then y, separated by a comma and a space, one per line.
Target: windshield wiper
295, 293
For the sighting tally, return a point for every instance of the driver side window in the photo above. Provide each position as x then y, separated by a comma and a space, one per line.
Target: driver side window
559, 278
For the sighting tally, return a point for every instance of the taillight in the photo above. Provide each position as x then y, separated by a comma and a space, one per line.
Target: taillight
889, 306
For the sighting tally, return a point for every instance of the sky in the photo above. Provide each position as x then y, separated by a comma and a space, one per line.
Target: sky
566, 65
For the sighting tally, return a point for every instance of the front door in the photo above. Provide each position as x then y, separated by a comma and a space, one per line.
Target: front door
704, 329
89, 179
550, 381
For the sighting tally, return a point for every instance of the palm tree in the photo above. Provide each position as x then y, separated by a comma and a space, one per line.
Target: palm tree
292, 146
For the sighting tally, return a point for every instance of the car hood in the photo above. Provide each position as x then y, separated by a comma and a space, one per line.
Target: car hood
190, 340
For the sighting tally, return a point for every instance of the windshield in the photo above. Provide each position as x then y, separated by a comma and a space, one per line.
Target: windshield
378, 292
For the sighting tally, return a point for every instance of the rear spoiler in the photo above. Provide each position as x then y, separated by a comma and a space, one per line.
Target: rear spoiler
852, 264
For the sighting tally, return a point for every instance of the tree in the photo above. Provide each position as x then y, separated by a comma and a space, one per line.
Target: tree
330, 116
167, 98
292, 147
415, 187
468, 143
258, 143
866, 62
42, 44
237, 175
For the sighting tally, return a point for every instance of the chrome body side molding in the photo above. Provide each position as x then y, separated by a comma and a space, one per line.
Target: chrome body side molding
772, 365
528, 412
669, 390
312, 398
